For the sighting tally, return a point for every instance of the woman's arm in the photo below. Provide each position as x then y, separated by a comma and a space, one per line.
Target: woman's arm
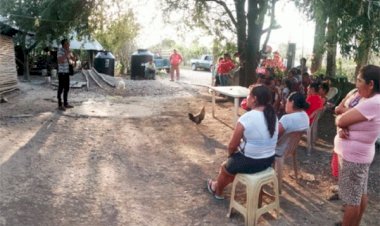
348, 118
236, 137
281, 130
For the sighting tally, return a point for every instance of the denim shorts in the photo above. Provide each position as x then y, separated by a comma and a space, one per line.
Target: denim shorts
239, 163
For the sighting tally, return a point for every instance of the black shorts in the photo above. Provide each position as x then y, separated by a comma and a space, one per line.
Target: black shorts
239, 163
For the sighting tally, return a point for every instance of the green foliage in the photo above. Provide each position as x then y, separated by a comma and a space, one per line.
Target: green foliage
118, 37
360, 24
52, 19
118, 32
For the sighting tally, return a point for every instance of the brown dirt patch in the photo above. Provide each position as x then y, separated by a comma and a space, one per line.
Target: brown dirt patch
122, 168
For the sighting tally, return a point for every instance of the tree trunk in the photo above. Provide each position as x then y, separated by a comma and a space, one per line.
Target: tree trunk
241, 38
272, 22
362, 56
256, 13
319, 42
331, 39
26, 66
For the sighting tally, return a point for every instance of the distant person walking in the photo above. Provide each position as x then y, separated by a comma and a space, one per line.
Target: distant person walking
64, 56
175, 60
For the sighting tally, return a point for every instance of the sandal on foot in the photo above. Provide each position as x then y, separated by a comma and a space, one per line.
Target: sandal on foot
209, 188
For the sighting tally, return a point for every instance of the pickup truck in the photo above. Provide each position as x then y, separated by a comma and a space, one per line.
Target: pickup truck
161, 63
204, 62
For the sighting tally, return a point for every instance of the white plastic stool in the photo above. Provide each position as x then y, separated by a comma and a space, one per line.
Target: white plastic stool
254, 183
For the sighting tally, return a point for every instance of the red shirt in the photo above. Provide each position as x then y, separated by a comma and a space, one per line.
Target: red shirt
315, 102
175, 59
225, 66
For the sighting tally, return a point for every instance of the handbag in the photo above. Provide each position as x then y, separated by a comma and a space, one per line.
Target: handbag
71, 70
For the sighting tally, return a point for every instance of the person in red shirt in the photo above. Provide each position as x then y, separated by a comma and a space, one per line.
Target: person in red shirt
314, 99
224, 68
175, 60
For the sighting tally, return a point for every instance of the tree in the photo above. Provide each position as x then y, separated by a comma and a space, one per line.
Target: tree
352, 24
118, 37
217, 16
52, 19
359, 32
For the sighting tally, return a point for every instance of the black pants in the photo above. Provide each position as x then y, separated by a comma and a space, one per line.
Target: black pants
239, 163
63, 86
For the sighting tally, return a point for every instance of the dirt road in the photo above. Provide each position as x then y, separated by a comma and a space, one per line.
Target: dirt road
136, 159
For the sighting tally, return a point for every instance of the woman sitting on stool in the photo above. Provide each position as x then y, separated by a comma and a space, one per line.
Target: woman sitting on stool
252, 146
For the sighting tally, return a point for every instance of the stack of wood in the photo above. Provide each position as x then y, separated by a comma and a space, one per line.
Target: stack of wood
8, 73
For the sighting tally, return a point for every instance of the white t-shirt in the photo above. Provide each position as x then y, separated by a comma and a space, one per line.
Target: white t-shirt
258, 143
296, 121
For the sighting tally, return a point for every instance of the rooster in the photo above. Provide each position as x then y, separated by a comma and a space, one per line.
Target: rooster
198, 117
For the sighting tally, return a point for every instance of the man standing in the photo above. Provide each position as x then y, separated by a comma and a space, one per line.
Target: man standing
64, 56
302, 67
175, 60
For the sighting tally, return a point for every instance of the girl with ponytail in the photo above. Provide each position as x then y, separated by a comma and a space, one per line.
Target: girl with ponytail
252, 146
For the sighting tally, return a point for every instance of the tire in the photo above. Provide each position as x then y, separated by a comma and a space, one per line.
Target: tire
193, 67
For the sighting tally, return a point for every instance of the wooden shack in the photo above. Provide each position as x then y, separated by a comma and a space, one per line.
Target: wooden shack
8, 72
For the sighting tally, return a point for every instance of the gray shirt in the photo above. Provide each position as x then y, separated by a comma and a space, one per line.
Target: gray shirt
62, 67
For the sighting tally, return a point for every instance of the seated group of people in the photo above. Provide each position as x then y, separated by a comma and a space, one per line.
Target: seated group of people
252, 147
315, 92
253, 143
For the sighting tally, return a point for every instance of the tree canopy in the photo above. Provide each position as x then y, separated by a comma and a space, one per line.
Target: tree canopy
353, 24
50, 20
118, 37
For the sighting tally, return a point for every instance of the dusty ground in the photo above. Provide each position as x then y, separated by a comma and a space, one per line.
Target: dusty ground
132, 157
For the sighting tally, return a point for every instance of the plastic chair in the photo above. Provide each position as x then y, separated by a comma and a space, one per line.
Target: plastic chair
254, 183
333, 91
287, 146
332, 97
312, 132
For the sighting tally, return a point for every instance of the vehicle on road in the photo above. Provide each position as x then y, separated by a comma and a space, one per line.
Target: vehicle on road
162, 63
205, 62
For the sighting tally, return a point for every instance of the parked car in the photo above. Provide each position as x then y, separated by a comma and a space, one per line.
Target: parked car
204, 62
161, 63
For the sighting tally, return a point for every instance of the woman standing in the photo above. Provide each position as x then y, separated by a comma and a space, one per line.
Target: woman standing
252, 146
355, 144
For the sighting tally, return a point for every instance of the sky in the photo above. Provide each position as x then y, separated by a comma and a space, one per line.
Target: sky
294, 27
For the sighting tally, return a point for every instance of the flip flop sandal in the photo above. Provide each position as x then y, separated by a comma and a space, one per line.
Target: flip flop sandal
209, 182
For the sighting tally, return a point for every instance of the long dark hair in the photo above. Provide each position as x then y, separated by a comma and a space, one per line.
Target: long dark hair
299, 101
371, 72
264, 98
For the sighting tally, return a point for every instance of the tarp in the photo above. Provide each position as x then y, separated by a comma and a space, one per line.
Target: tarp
85, 44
